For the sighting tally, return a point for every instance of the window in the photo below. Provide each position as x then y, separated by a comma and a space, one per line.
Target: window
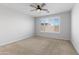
50, 24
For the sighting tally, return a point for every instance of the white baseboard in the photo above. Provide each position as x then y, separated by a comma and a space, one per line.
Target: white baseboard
17, 39
53, 37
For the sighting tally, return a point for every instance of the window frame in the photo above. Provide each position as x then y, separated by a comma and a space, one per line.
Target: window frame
51, 18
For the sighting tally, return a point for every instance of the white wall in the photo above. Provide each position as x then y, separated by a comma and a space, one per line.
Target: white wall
65, 26
75, 27
14, 26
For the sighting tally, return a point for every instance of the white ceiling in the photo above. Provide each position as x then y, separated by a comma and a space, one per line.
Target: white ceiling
52, 7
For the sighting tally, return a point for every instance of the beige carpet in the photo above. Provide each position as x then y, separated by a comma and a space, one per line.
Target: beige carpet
39, 46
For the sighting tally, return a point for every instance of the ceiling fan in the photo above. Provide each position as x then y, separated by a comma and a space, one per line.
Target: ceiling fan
39, 7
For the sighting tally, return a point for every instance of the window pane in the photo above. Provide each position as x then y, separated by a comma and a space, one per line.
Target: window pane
42, 25
50, 25
55, 24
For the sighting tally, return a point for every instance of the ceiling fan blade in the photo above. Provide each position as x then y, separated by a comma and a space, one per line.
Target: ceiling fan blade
45, 10
43, 4
33, 6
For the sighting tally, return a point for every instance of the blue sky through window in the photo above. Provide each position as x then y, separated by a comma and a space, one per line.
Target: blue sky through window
53, 21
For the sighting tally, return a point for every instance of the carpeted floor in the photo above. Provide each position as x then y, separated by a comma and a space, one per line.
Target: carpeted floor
39, 46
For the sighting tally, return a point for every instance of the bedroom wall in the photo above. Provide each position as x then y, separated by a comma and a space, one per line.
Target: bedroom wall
14, 26
65, 26
75, 27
